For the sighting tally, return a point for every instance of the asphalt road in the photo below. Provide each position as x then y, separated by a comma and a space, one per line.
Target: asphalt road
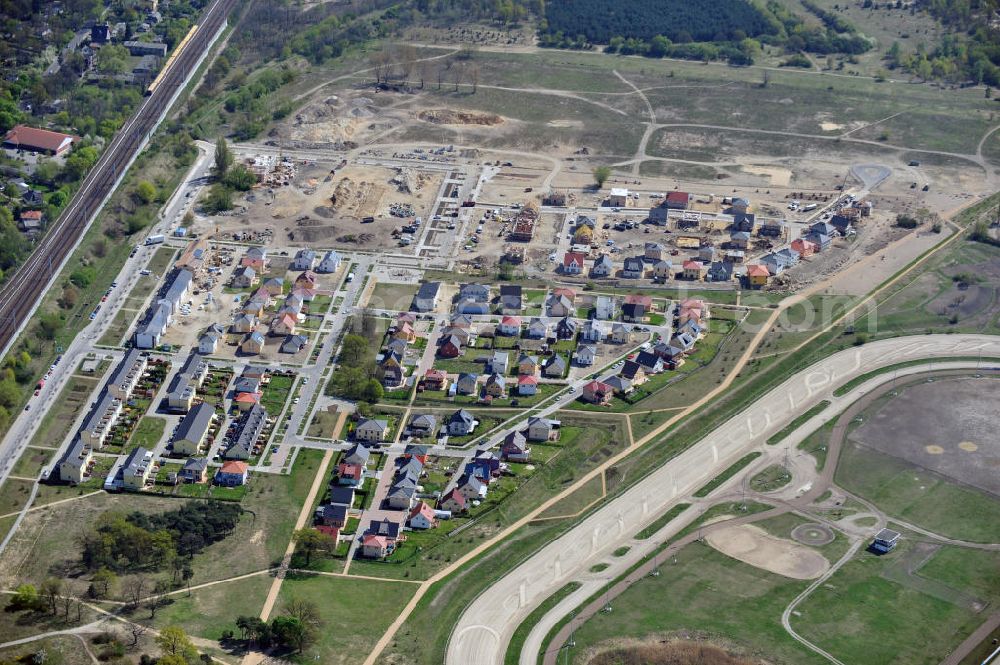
481, 636
22, 292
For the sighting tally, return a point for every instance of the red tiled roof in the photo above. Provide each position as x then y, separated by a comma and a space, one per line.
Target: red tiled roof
526, 379
510, 321
573, 258
422, 509
248, 397
646, 301
563, 291
372, 539
678, 197
31, 214
692, 264
758, 270
38, 139
235, 467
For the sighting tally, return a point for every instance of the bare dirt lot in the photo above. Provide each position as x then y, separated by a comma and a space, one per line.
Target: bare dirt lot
947, 427
670, 652
753, 545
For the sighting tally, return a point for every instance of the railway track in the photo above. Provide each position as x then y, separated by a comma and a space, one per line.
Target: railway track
21, 293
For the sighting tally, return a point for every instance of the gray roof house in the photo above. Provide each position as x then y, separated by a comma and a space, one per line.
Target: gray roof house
427, 297
461, 423
603, 267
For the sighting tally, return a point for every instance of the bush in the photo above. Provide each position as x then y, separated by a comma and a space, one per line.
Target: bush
907, 222
219, 198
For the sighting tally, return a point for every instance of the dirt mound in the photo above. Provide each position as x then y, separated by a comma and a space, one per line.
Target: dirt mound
453, 117
325, 212
356, 238
671, 653
310, 234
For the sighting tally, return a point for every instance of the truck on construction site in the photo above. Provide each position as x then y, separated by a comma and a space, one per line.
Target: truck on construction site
154, 239
811, 206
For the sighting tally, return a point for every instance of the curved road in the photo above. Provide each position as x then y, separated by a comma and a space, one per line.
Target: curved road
481, 636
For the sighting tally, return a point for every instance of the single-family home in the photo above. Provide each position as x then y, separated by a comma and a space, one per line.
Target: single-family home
244, 323
619, 384
720, 271
293, 344
527, 385
693, 270
528, 365
592, 331
30, 220
567, 328
603, 267
744, 221
209, 340
401, 493
804, 248
634, 372
191, 436
329, 263
232, 474
283, 325
509, 326
194, 470
426, 298
559, 305
542, 429
472, 307
605, 308
307, 279
757, 275
273, 286
461, 423
33, 139
357, 454
435, 379
650, 362
244, 278
677, 200
663, 270
618, 198
304, 260
515, 448
707, 254
820, 240
449, 346
375, 547
597, 392
537, 329
511, 299
422, 517
332, 515
573, 263
634, 268
423, 425
498, 362
585, 355
638, 306
350, 474
474, 292
453, 501
371, 430
471, 487
496, 385
252, 344
653, 251
466, 384
739, 240
554, 366
621, 333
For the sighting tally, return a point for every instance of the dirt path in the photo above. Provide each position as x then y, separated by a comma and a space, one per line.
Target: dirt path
640, 151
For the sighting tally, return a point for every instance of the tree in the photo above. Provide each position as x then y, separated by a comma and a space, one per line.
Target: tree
145, 191
103, 583
601, 175
134, 590
173, 641
159, 598
223, 158
290, 632
80, 162
26, 598
137, 630
240, 178
51, 590
313, 541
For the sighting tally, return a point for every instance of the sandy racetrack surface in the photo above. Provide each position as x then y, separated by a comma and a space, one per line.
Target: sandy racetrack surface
753, 545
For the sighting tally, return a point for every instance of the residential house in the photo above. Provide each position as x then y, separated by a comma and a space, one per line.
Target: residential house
542, 429
650, 362
375, 547
618, 198
386, 528
720, 271
423, 425
252, 344
619, 384
244, 323
472, 307
663, 270
418, 452
737, 256
592, 331
304, 259
127, 374
454, 502
603, 267
677, 200
566, 328
636, 307
821, 241
357, 454
180, 397
496, 385
435, 379
283, 325
537, 329
757, 275
585, 355
449, 346
474, 292
844, 223
684, 341
740, 205
137, 468
559, 306
472, 488
422, 517
100, 419
293, 344
307, 279
330, 263
191, 436
621, 334
772, 228
708, 254
739, 240
653, 251
509, 326
515, 448
209, 341
605, 308
511, 299
774, 263
498, 362
527, 385
597, 392
426, 298
401, 494
744, 221
371, 430
804, 248
232, 474
43, 141
30, 220
244, 278
461, 423
789, 256
634, 372
459, 321
194, 470
341, 495
332, 515
693, 270
554, 366
528, 365
692, 308
634, 268
350, 474
573, 263
466, 384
